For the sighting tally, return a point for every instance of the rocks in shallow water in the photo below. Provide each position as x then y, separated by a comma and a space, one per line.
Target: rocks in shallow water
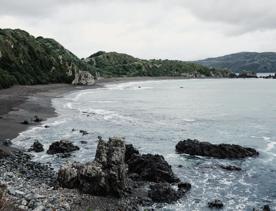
217, 204
164, 193
83, 132
25, 122
7, 143
221, 151
36, 147
106, 175
62, 146
83, 142
230, 168
266, 208
37, 119
151, 168
184, 186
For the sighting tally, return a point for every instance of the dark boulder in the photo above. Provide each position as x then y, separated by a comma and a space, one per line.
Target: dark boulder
83, 132
7, 143
62, 146
37, 119
5, 152
164, 193
105, 176
184, 186
231, 168
36, 147
266, 208
153, 168
217, 204
221, 151
25, 122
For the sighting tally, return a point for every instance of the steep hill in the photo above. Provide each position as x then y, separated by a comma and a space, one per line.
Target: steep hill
245, 61
27, 60
112, 64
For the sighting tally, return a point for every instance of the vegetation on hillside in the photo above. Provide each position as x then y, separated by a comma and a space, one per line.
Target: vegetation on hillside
245, 61
114, 64
27, 60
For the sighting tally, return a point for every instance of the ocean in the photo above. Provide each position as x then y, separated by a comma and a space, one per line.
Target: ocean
155, 115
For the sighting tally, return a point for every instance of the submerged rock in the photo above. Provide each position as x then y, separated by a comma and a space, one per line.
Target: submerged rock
106, 175
231, 168
62, 146
36, 147
153, 168
215, 204
83, 132
222, 151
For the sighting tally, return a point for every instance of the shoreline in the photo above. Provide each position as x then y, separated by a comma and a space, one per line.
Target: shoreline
20, 103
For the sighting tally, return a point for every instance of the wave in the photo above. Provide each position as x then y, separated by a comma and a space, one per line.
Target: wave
129, 86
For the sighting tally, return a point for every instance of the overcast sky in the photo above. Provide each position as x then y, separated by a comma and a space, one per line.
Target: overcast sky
173, 29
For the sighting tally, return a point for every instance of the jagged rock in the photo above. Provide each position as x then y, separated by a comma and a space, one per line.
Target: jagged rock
164, 193
62, 146
130, 151
152, 168
83, 78
106, 175
222, 151
36, 147
231, 168
215, 204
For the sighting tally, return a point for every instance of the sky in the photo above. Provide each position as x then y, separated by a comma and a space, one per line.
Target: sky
165, 29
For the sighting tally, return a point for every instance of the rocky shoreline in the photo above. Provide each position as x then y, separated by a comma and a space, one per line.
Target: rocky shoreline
32, 186
119, 178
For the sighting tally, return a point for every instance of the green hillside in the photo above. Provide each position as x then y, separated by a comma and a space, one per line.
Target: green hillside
245, 61
27, 60
112, 64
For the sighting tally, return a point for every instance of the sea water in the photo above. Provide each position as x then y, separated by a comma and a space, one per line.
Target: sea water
155, 115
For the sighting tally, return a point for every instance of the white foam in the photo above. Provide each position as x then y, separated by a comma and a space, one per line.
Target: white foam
270, 146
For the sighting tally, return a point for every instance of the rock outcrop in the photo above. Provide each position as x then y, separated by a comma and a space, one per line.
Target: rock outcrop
152, 168
83, 78
106, 175
62, 146
221, 151
36, 147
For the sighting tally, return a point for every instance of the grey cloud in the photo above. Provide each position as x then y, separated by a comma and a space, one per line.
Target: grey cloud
242, 16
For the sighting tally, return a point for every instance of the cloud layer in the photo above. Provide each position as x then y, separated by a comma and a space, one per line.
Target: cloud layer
174, 29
